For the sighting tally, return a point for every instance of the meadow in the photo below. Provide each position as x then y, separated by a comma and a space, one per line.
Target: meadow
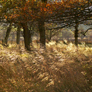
58, 68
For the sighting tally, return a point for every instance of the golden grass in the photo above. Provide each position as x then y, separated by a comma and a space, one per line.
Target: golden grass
59, 68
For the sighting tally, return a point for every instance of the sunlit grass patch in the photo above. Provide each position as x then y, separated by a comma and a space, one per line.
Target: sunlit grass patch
51, 43
24, 55
12, 46
1, 47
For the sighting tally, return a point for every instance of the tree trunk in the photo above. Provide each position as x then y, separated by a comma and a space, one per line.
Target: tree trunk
26, 36
42, 29
31, 38
76, 35
42, 33
30, 29
4, 42
18, 35
50, 35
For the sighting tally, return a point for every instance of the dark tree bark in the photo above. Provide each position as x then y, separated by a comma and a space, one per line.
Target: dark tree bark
50, 35
76, 34
42, 29
42, 33
31, 39
26, 33
5, 41
18, 35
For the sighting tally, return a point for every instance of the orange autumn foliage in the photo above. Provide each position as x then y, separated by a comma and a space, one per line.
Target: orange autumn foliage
34, 10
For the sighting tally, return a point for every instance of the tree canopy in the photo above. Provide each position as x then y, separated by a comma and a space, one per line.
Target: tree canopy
64, 13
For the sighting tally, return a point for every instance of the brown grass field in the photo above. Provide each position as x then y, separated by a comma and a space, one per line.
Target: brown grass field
58, 68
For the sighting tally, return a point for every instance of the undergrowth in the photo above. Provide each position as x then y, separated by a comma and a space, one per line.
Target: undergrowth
58, 68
